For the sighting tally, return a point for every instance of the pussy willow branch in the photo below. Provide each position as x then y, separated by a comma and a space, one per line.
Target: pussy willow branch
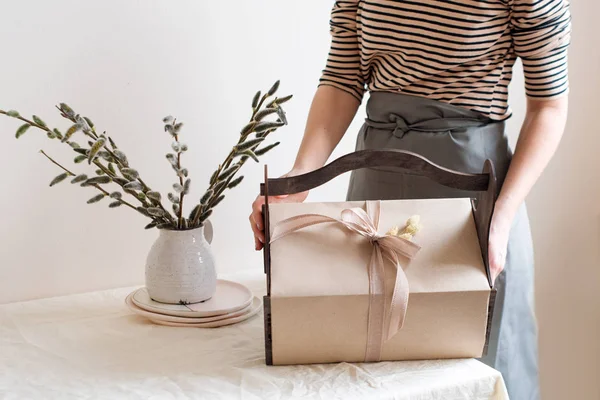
146, 188
207, 206
262, 100
168, 217
107, 172
46, 129
91, 133
144, 203
182, 194
73, 174
110, 174
57, 164
215, 196
235, 159
226, 164
241, 162
232, 153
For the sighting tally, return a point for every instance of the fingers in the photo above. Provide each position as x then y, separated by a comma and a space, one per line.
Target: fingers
257, 216
257, 244
494, 273
258, 233
497, 261
256, 223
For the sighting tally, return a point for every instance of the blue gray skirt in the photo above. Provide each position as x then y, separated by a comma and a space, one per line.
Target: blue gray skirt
459, 139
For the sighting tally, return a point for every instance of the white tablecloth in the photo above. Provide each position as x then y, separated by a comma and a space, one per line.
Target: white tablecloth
90, 346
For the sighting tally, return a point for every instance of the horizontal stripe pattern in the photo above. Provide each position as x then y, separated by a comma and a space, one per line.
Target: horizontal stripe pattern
459, 52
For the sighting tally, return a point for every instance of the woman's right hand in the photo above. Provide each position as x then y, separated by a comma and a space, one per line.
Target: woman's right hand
256, 218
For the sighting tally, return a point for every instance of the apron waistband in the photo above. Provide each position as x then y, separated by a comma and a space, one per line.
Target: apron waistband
399, 126
401, 113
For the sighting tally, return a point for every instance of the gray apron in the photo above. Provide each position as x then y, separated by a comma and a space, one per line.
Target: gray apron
459, 139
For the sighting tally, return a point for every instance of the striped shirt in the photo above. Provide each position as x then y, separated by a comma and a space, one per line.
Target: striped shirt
457, 51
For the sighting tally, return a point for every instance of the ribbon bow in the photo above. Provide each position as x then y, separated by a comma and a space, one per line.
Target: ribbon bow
385, 314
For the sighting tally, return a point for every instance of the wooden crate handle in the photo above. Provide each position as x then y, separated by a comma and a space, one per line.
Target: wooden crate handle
378, 158
483, 183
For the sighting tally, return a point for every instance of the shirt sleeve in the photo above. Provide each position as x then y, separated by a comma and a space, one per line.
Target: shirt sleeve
541, 32
343, 63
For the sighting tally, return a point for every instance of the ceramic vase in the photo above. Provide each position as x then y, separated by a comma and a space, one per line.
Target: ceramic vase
180, 267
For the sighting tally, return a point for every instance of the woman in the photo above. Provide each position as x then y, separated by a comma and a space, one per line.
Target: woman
438, 73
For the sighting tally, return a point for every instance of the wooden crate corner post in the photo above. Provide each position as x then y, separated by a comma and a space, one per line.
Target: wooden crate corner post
264, 191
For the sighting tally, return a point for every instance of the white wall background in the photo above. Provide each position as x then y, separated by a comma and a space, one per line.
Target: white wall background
565, 214
126, 64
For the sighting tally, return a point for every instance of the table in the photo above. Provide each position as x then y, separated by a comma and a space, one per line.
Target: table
91, 346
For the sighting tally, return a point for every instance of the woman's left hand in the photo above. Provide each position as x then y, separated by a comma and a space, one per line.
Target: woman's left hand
498, 244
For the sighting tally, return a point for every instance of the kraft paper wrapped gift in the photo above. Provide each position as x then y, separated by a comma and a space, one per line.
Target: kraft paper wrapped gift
319, 308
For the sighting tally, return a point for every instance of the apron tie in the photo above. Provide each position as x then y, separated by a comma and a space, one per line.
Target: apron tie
397, 123
399, 127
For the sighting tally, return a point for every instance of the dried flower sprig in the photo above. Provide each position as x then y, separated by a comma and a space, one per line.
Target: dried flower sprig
411, 228
113, 167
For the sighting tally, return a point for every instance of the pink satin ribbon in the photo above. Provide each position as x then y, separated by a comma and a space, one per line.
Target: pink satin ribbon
385, 314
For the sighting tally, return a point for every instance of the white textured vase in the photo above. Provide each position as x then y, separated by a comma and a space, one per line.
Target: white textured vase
180, 267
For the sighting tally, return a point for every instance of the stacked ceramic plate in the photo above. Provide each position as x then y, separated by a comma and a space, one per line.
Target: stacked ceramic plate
232, 303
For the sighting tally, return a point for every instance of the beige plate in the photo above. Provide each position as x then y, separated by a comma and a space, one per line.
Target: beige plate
183, 320
255, 308
229, 297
